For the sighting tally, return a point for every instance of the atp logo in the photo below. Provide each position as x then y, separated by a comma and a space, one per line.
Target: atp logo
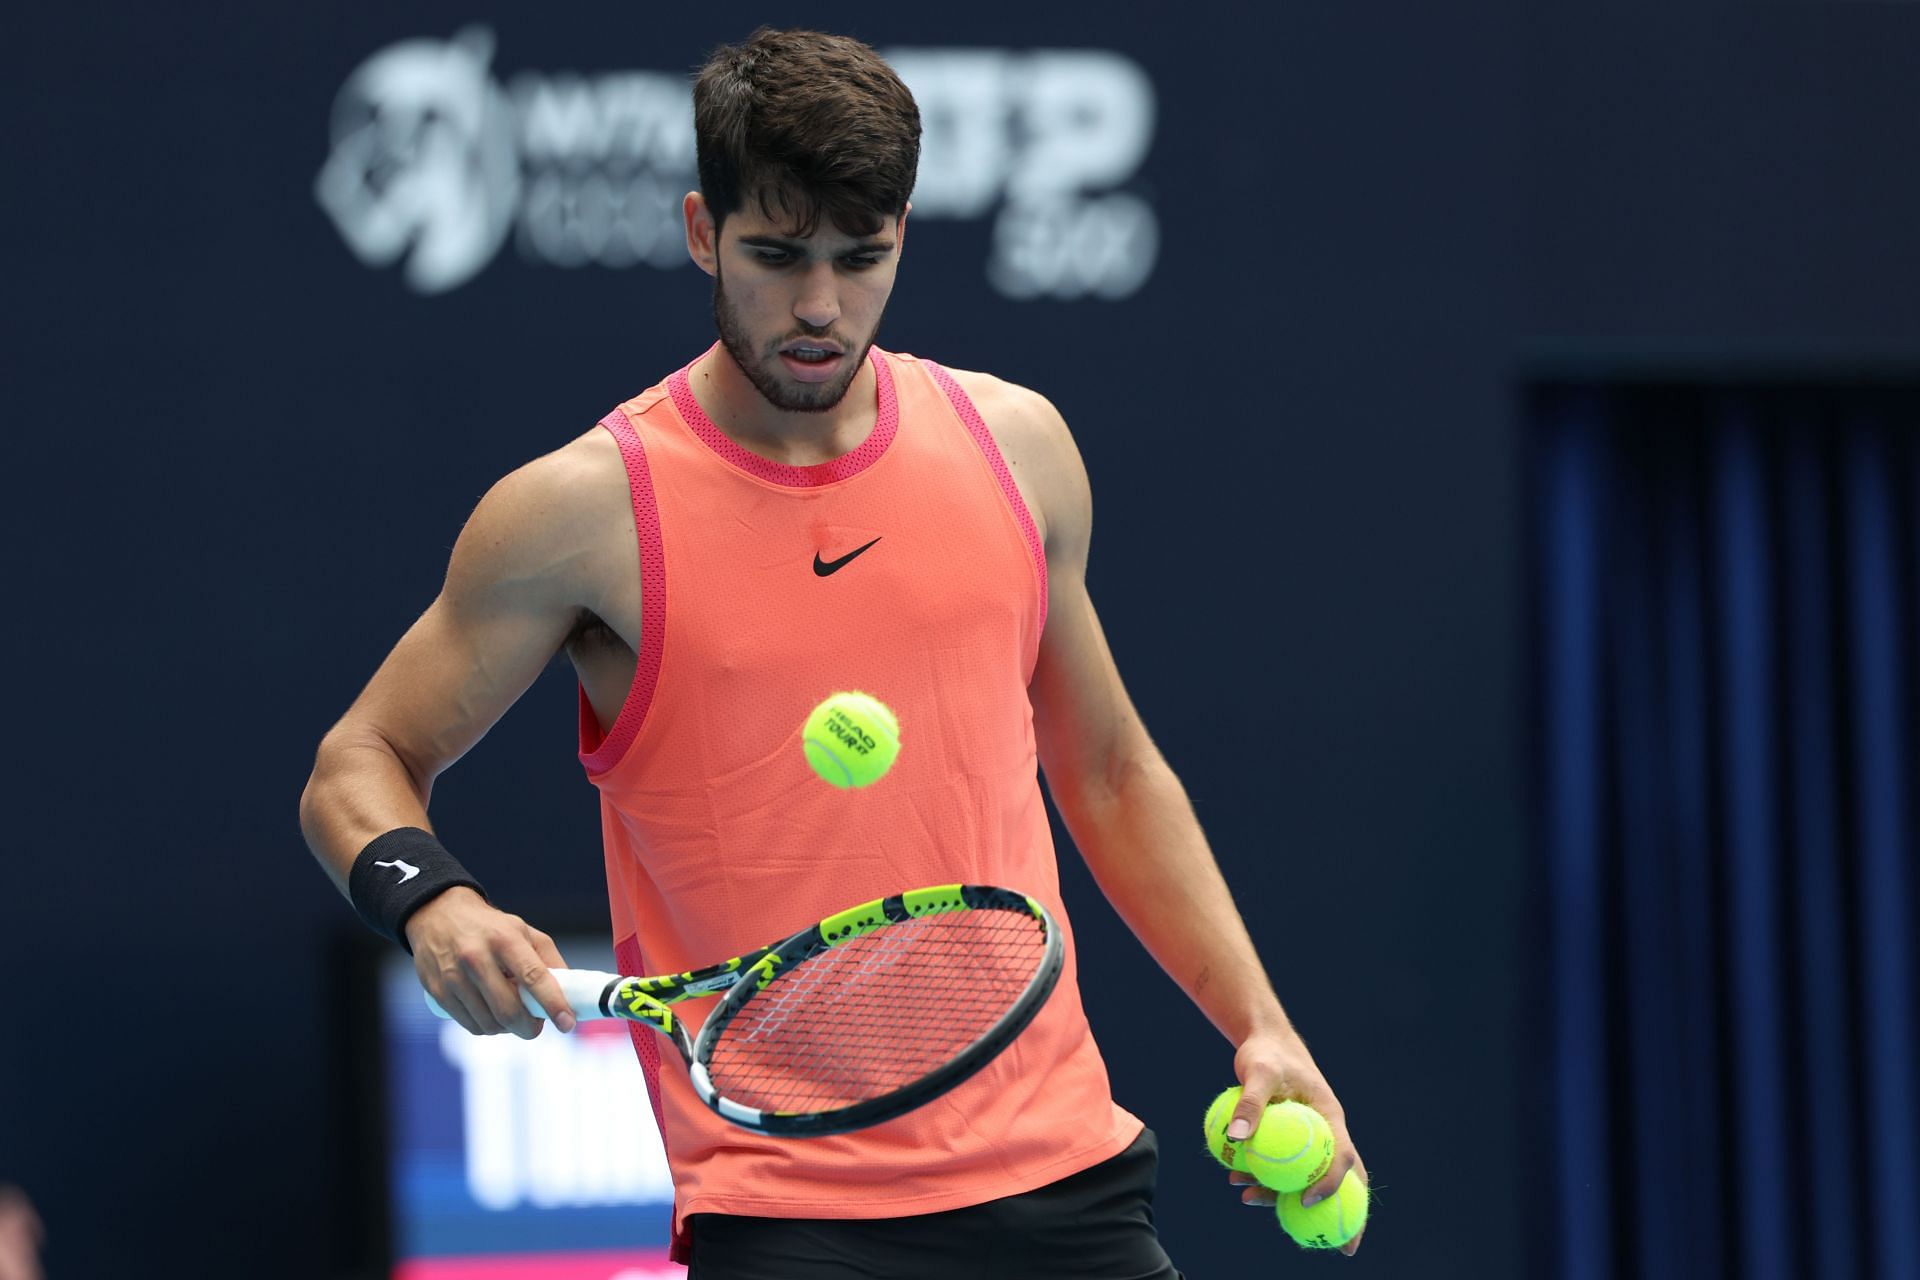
423, 160
436, 164
1044, 139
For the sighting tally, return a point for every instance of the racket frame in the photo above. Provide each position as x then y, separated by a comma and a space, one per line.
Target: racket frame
650, 1001
787, 956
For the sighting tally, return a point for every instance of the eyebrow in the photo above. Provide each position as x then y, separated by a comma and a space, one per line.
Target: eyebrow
877, 245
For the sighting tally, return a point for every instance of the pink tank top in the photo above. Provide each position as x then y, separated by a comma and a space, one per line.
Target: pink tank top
718, 836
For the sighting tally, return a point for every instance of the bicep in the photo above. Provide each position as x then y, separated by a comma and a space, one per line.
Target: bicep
508, 604
1085, 725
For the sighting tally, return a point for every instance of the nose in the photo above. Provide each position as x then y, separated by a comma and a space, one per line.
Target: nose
818, 305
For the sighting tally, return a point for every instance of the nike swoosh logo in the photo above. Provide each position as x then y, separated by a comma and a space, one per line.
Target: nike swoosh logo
826, 567
407, 870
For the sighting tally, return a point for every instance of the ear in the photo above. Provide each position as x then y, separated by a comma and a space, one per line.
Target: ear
703, 238
900, 230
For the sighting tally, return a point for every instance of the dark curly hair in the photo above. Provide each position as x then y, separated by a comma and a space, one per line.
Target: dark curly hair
806, 125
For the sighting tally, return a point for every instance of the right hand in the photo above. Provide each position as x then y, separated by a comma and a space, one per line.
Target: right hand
474, 959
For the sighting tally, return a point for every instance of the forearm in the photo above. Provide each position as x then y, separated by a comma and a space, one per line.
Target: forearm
360, 788
1144, 845
470, 955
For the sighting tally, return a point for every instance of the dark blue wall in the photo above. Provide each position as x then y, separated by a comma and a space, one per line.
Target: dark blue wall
241, 457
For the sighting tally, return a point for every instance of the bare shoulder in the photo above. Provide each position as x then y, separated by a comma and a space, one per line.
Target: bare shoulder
546, 526
1020, 414
1040, 452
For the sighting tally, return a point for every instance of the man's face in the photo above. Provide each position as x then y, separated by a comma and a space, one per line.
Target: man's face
797, 314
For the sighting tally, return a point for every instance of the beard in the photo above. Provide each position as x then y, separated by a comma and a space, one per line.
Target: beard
792, 397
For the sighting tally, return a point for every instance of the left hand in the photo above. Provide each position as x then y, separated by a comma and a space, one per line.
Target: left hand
1274, 1067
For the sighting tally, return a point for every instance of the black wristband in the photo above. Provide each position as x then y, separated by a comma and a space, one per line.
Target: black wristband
397, 874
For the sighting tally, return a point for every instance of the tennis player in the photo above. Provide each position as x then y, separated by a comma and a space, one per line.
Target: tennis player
793, 512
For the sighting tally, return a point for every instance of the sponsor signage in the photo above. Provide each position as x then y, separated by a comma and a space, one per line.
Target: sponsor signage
438, 166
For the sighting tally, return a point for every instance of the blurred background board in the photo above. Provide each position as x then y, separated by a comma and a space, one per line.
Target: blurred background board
502, 1157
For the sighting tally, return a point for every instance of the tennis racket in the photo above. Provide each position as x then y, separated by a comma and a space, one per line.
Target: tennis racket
870, 1013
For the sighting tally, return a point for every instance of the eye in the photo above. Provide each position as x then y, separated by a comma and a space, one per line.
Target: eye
861, 261
773, 257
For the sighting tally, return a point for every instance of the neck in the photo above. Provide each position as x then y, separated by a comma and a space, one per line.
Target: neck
738, 409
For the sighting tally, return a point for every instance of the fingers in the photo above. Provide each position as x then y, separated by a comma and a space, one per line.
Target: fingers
1352, 1246
455, 993
1256, 1091
1263, 1198
1255, 1194
502, 995
497, 979
1344, 1158
535, 970
519, 987
1330, 1182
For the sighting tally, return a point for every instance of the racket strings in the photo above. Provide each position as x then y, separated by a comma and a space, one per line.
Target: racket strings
877, 1013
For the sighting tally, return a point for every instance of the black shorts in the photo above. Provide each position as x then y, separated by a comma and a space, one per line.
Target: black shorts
1095, 1223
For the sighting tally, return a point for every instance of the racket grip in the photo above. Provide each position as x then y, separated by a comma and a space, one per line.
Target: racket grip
582, 988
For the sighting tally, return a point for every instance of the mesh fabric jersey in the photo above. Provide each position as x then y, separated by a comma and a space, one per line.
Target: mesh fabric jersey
718, 836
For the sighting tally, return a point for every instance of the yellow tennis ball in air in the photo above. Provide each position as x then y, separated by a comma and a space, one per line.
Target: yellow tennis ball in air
1332, 1222
1291, 1149
1222, 1148
851, 739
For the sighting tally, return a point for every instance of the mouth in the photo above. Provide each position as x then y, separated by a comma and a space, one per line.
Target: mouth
812, 361
813, 352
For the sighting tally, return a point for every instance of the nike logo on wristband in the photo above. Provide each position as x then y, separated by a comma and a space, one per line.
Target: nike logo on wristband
407, 870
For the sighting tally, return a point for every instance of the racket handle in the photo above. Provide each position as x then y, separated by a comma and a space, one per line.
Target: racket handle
582, 988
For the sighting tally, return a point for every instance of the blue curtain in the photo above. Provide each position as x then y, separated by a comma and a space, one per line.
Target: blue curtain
1723, 585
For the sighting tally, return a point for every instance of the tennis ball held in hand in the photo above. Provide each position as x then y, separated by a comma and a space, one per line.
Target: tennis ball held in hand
851, 739
1332, 1222
1291, 1149
1229, 1153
